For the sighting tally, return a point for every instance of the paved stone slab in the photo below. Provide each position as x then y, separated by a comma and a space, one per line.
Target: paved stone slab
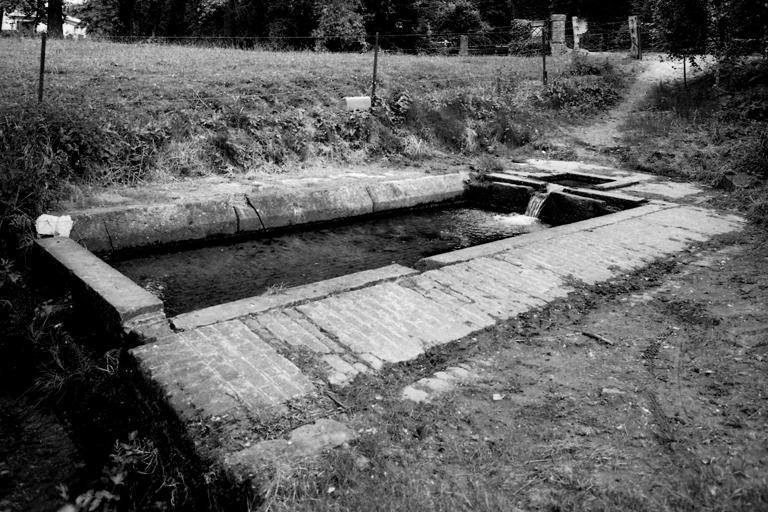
390, 322
287, 297
492, 248
699, 220
221, 369
460, 305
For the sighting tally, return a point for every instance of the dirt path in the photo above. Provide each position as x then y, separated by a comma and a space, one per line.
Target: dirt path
593, 141
604, 132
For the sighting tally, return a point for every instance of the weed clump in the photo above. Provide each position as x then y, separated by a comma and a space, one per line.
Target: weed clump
584, 87
45, 148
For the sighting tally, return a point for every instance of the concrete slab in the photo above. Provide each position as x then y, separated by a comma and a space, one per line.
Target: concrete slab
287, 297
614, 198
390, 195
559, 166
516, 180
277, 208
118, 228
668, 190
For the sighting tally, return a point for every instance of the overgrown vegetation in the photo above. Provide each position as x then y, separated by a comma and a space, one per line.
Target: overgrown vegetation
585, 87
133, 452
712, 134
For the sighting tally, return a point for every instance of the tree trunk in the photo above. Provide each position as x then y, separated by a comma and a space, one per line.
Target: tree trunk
55, 19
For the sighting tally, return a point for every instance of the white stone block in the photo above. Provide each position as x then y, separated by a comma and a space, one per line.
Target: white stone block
358, 102
53, 225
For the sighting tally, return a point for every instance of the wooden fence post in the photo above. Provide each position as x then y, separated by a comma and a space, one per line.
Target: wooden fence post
635, 51
42, 68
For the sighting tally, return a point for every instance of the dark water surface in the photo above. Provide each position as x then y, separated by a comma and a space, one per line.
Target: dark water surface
194, 278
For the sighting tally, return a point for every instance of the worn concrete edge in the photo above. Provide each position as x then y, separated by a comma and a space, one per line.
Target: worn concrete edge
610, 197
288, 297
118, 228
125, 305
492, 248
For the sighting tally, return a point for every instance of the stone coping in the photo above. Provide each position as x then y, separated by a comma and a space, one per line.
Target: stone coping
120, 228
117, 300
126, 308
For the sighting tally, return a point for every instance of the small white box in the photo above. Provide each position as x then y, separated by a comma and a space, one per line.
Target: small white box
358, 102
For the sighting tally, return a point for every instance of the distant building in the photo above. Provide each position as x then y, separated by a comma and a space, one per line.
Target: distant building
17, 21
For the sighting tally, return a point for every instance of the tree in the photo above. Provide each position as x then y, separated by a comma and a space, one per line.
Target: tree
340, 25
459, 16
682, 26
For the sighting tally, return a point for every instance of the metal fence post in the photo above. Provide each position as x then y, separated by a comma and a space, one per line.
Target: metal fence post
544, 54
42, 67
375, 69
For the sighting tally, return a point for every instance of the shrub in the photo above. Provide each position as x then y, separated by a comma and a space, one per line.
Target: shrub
584, 87
505, 129
580, 93
580, 65
758, 211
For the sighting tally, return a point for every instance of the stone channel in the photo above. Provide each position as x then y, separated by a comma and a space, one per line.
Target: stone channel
237, 359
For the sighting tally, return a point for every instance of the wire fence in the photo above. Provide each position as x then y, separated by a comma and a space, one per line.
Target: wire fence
492, 59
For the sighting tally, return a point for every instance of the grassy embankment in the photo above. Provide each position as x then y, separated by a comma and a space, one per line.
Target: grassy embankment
120, 114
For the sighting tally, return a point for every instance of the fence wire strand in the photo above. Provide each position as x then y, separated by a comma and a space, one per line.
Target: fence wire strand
488, 53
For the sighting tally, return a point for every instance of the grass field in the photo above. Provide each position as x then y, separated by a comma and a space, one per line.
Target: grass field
101, 73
